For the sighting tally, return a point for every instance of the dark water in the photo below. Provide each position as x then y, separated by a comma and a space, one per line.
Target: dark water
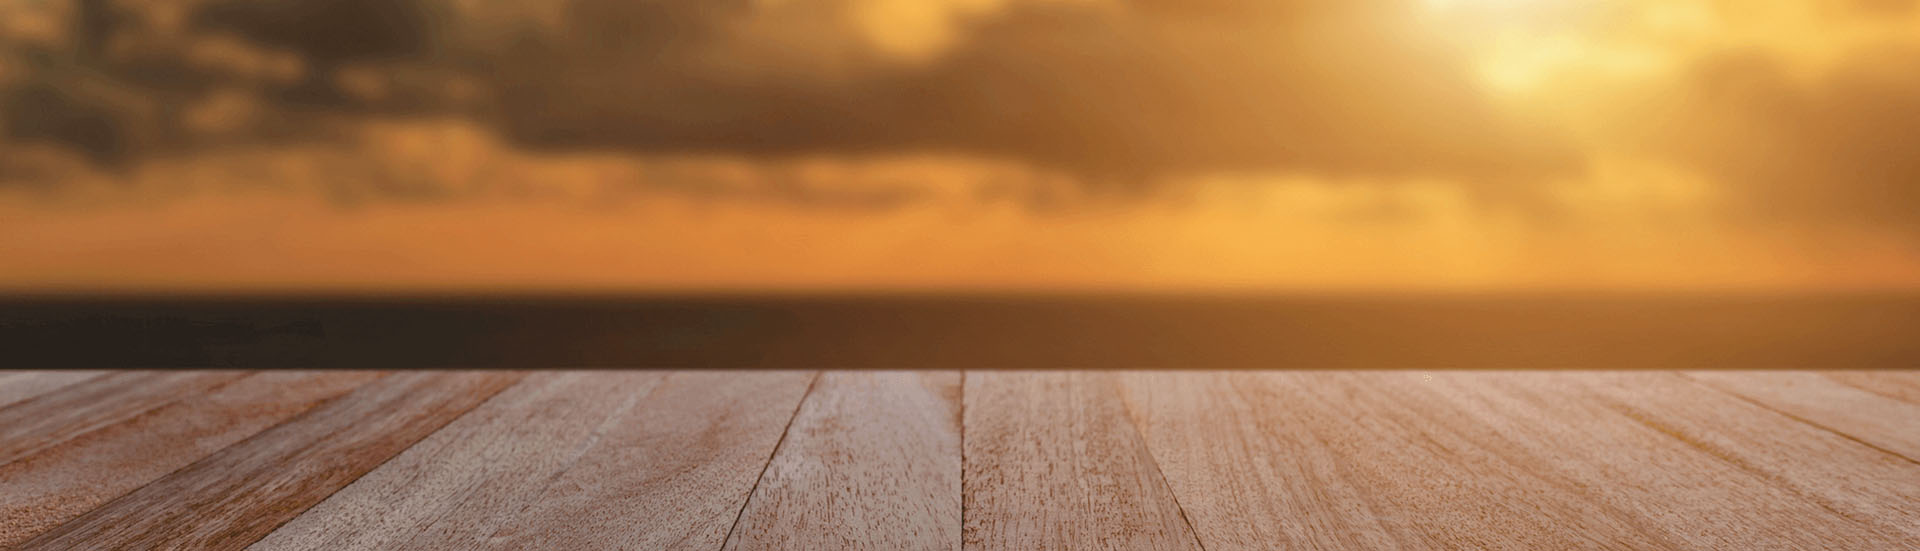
974, 331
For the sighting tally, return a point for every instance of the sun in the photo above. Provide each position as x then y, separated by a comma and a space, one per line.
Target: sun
1481, 4
1482, 13
1518, 46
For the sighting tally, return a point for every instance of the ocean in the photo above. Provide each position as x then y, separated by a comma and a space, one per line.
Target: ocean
981, 331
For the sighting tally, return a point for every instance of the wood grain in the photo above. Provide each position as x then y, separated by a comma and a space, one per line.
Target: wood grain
72, 477
1510, 461
672, 473
32, 425
872, 461
980, 460
1704, 469
1879, 421
238, 495
18, 386
1898, 385
453, 488
1053, 462
1317, 461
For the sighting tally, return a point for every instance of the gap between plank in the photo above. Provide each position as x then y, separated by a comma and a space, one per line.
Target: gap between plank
444, 511
769, 463
163, 476
249, 438
573, 459
135, 415
58, 388
1873, 390
1803, 420
390, 458
1127, 408
962, 544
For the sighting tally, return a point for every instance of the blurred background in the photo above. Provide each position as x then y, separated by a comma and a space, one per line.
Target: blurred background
804, 145
1185, 150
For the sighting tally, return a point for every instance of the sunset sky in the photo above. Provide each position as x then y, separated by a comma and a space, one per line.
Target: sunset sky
463, 145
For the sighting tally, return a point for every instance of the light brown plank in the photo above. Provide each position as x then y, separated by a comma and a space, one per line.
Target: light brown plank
1898, 385
18, 386
1885, 423
672, 473
1701, 468
239, 494
1315, 461
1053, 462
872, 461
452, 489
1510, 461
32, 425
72, 477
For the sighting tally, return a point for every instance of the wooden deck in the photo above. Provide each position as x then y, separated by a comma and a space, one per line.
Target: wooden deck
338, 460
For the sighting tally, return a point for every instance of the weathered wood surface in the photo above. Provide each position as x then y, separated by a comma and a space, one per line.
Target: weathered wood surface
976, 460
17, 386
1886, 423
1329, 461
1052, 462
62, 481
238, 495
1899, 385
35, 424
872, 461
670, 474
1730, 474
1511, 461
448, 491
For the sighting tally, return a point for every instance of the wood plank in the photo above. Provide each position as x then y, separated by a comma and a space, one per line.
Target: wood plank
18, 386
450, 490
1316, 461
33, 425
1898, 385
1885, 423
1698, 467
672, 473
872, 461
1510, 461
70, 478
1053, 462
239, 494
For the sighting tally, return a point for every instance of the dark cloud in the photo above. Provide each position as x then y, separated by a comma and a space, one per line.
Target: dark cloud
1837, 148
42, 111
1116, 94
325, 33
1102, 92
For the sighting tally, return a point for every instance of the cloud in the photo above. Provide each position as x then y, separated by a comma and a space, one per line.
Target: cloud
1116, 94
1109, 92
1829, 149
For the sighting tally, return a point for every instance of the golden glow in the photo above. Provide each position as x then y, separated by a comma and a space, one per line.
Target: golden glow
437, 201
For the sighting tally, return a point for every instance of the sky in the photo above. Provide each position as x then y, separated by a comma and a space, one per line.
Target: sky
810, 145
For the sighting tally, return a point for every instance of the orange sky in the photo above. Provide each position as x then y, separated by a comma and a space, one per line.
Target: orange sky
971, 144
